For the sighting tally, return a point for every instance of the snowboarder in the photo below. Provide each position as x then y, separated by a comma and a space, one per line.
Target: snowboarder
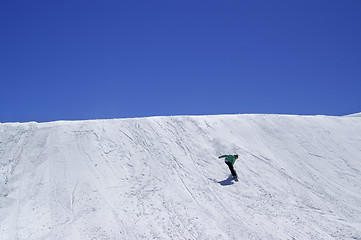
230, 159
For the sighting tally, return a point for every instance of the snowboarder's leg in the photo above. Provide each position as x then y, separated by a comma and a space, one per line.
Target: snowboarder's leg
234, 174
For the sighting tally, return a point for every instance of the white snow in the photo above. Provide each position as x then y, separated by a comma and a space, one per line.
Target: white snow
160, 178
354, 115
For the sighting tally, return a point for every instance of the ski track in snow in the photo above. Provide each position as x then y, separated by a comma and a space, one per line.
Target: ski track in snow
160, 178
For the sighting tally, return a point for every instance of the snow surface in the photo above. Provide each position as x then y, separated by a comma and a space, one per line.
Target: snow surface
160, 178
354, 115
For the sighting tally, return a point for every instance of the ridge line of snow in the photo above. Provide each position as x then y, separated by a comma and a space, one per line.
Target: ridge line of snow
160, 117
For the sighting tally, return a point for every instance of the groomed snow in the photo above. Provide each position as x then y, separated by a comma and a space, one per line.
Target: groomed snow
160, 178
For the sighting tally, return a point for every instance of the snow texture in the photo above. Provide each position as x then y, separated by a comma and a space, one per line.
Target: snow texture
160, 178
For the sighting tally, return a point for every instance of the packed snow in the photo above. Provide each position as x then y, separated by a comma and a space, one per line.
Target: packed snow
160, 178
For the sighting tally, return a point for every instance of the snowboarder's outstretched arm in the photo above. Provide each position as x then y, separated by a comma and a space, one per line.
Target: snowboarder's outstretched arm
229, 158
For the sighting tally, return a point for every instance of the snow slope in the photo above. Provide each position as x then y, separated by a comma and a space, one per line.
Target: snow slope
354, 115
160, 178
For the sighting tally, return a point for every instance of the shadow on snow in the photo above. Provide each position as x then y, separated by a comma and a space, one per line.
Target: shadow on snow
226, 182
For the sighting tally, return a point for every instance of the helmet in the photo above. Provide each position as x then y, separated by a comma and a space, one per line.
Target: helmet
236, 155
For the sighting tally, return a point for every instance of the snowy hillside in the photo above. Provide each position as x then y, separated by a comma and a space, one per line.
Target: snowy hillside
354, 115
160, 178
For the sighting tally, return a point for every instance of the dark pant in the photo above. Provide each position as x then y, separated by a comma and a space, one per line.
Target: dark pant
234, 174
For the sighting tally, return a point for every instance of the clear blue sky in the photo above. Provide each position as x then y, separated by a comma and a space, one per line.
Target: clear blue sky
65, 60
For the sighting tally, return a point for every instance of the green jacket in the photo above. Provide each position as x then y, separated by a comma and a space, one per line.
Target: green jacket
229, 158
